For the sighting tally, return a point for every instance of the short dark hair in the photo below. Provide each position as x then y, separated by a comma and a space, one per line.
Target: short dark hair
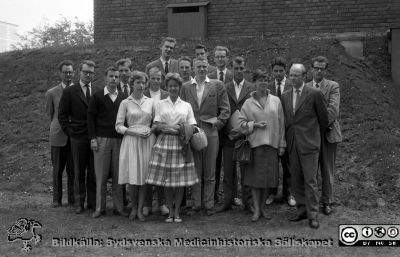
88, 63
173, 76
169, 39
279, 61
320, 59
111, 68
65, 63
200, 46
222, 48
260, 73
238, 60
185, 58
122, 62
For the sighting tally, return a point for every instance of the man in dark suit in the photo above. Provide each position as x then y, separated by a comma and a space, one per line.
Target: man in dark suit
124, 69
238, 92
106, 142
73, 119
165, 63
61, 156
331, 91
154, 91
223, 74
200, 50
277, 87
211, 109
306, 118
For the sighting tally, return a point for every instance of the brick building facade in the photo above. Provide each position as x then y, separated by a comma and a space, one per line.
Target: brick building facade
121, 21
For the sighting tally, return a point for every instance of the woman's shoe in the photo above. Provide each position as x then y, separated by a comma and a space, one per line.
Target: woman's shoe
169, 219
133, 214
141, 217
177, 220
255, 217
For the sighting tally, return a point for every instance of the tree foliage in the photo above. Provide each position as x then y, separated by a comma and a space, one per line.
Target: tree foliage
62, 33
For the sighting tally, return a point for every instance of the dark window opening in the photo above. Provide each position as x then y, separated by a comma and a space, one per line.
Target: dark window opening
185, 9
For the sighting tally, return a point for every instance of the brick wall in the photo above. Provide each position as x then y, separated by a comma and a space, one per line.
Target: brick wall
123, 21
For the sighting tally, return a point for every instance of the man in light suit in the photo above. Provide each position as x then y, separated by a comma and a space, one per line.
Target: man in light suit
211, 109
331, 91
165, 63
306, 118
223, 74
73, 120
154, 91
61, 156
238, 92
277, 87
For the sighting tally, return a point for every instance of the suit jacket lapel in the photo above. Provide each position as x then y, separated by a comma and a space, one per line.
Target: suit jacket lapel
59, 91
230, 88
193, 92
160, 66
80, 94
286, 87
324, 87
245, 90
302, 98
205, 92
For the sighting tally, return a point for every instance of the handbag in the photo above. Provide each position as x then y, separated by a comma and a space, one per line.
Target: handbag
198, 141
242, 151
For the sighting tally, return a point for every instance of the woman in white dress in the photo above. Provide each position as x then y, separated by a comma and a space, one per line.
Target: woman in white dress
137, 111
172, 164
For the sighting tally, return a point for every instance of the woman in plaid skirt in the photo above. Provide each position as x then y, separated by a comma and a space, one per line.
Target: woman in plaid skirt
172, 163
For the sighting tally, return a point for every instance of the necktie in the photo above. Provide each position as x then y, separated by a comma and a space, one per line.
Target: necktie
166, 68
125, 90
278, 91
87, 93
296, 102
221, 76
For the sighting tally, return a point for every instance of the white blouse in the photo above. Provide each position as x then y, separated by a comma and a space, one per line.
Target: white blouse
174, 113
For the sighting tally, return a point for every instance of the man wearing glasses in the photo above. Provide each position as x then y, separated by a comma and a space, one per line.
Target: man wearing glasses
331, 91
73, 120
61, 156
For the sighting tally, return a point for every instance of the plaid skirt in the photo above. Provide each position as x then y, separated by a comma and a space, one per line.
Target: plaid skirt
167, 166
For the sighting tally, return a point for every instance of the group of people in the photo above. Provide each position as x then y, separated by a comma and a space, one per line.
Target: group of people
137, 131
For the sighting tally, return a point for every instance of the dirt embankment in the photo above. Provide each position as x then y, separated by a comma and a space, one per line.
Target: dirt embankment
368, 159
368, 163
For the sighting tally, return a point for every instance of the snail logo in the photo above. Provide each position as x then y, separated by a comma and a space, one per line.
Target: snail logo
25, 230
